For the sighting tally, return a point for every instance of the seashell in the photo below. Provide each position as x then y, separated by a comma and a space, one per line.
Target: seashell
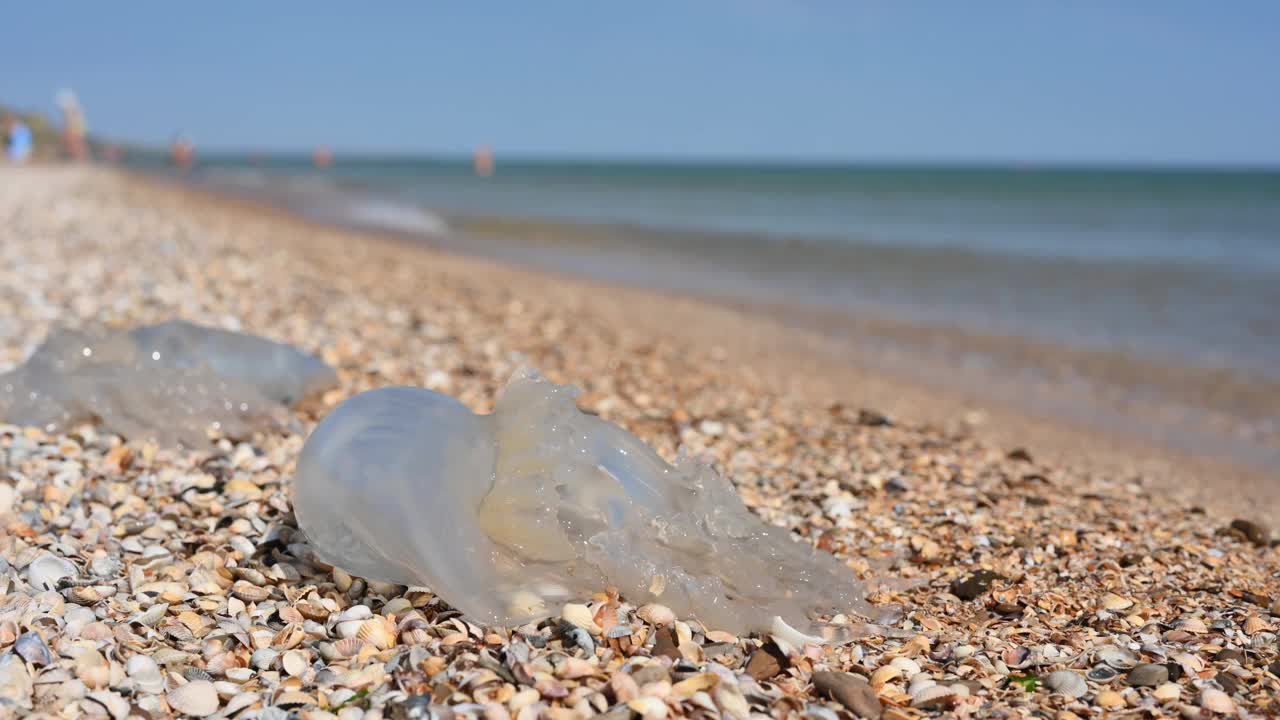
263, 658
116, 706
46, 570
1215, 700
1067, 682
197, 698
1102, 673
152, 615
919, 683
145, 674
313, 611
572, 668
92, 668
885, 674
581, 616
1254, 625
241, 701
909, 667
648, 708
249, 592
15, 681
933, 697
1115, 656
1191, 664
1193, 625
1167, 692
293, 698
378, 632
1111, 601
655, 614
32, 649
294, 663
349, 647
1109, 699
788, 639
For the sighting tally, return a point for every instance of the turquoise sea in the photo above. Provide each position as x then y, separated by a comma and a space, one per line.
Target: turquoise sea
1162, 277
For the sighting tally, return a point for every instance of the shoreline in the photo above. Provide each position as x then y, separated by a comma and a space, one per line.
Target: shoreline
1183, 448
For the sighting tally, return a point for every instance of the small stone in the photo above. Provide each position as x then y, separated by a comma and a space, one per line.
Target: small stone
1148, 675
1229, 655
667, 643
873, 418
1020, 454
1252, 531
851, 691
974, 584
766, 662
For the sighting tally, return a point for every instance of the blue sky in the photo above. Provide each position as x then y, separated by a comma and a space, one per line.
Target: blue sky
1028, 81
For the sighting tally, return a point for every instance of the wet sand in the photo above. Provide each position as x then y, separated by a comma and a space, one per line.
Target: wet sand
1040, 547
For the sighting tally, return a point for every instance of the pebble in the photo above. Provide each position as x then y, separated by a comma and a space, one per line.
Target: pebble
766, 662
1148, 675
974, 584
851, 691
1252, 531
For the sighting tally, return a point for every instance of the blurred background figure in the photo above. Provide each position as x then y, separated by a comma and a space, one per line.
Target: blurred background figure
18, 141
113, 153
182, 152
483, 161
75, 128
322, 157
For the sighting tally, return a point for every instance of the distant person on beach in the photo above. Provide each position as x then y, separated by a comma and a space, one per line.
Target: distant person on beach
182, 152
322, 157
75, 129
18, 143
483, 161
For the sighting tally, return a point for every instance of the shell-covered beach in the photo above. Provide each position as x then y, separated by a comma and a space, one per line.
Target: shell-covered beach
1057, 575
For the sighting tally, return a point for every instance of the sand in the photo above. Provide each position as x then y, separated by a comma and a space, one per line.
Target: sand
142, 580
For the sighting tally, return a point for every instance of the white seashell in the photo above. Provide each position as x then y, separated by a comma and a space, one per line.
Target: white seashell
15, 681
656, 614
1067, 682
1166, 692
117, 707
262, 658
1217, 701
1116, 657
92, 668
145, 674
294, 663
46, 570
790, 640
197, 698
909, 667
933, 696
581, 616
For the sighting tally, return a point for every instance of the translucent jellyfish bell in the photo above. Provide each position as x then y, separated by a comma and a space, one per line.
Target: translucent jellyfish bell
508, 515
